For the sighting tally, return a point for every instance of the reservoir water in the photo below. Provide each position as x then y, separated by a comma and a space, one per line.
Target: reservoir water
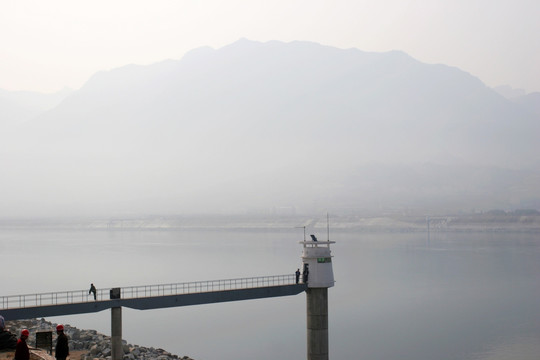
397, 296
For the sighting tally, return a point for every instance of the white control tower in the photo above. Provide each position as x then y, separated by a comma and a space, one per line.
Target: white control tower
317, 263
317, 273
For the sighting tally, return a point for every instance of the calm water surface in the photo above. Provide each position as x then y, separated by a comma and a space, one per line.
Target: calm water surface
397, 296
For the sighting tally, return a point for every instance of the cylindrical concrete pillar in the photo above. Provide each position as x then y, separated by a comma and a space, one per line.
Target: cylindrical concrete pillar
117, 352
317, 323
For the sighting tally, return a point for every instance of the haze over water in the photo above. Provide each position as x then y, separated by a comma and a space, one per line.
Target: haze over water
397, 296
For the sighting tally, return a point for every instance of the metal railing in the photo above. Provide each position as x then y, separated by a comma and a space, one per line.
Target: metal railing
133, 292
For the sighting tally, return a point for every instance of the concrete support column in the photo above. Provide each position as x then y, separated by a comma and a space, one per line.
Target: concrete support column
117, 351
317, 323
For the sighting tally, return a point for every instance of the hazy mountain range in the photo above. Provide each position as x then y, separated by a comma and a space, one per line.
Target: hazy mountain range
257, 126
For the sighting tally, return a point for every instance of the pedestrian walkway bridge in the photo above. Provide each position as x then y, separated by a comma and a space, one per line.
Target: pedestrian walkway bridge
145, 297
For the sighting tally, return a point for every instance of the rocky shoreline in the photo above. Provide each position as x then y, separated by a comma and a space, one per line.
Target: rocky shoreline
89, 344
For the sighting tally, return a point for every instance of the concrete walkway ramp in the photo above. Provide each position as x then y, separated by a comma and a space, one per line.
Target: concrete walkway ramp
16, 307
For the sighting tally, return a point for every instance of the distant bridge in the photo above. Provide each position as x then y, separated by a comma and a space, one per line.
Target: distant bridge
29, 306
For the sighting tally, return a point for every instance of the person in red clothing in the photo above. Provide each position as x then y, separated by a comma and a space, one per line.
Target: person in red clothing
21, 351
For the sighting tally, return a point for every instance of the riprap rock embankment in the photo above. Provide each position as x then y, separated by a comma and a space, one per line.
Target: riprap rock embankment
89, 344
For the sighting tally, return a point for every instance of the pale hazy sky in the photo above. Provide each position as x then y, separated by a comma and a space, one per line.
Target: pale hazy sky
47, 45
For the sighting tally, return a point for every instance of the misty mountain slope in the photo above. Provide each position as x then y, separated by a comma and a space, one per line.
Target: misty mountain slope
20, 106
530, 101
450, 188
254, 124
17, 108
387, 101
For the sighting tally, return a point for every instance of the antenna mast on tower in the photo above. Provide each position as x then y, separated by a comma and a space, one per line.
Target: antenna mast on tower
327, 227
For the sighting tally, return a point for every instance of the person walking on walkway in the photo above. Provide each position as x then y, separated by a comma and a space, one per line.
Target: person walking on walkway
21, 350
92, 290
297, 273
62, 347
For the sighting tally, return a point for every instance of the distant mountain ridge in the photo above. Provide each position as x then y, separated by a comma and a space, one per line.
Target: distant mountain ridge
254, 124
367, 92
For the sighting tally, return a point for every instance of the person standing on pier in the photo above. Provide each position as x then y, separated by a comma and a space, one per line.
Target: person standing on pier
62, 347
305, 274
92, 290
21, 351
